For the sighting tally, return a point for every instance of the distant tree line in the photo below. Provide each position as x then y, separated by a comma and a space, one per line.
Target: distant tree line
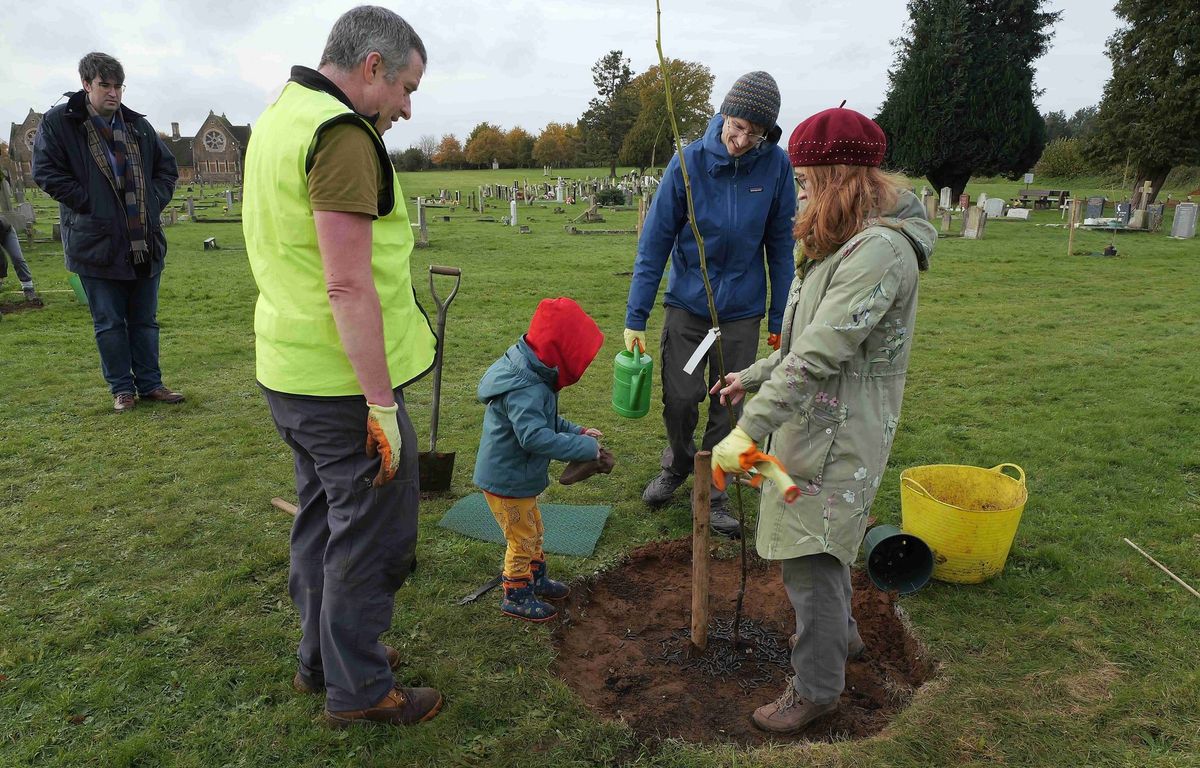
626, 122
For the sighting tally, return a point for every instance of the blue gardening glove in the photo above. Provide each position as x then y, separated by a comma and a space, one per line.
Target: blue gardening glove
383, 440
635, 337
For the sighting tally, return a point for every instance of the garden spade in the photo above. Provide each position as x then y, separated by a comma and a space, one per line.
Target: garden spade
436, 468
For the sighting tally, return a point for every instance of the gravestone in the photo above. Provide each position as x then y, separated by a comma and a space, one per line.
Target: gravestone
1124, 210
1018, 213
229, 198
945, 198
512, 212
1184, 224
1095, 208
974, 222
983, 198
191, 208
947, 218
964, 201
1154, 216
994, 206
929, 202
56, 232
422, 225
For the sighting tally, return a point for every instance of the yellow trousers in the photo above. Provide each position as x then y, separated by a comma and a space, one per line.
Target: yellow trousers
521, 522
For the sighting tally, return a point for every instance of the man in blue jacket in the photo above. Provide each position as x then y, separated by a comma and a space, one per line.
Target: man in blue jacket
112, 176
745, 201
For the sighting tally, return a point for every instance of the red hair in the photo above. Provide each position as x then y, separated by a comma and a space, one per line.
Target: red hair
840, 200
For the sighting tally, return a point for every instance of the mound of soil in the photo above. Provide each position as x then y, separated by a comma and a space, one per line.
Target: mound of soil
11, 307
623, 641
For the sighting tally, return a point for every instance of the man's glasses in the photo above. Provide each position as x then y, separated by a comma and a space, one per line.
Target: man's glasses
105, 87
755, 139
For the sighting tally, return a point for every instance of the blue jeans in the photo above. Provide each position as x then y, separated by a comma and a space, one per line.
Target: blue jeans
12, 246
125, 316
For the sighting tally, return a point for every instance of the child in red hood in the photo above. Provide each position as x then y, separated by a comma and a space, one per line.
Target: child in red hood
522, 432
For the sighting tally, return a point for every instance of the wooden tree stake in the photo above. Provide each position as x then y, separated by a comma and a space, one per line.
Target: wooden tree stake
701, 506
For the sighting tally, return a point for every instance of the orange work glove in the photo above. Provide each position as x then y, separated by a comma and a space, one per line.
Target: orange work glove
773, 340
383, 440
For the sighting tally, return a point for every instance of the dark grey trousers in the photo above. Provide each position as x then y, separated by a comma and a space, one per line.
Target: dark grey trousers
352, 545
820, 590
682, 394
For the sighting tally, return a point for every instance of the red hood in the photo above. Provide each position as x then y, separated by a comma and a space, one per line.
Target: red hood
563, 336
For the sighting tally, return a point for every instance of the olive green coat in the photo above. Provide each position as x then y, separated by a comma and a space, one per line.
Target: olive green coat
829, 400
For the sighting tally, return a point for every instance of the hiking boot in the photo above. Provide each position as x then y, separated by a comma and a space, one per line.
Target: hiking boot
544, 586
660, 490
521, 603
30, 294
163, 395
401, 706
303, 683
124, 401
790, 713
855, 650
582, 470
722, 522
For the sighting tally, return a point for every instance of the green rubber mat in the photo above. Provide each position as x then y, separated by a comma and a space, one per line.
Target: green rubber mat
571, 529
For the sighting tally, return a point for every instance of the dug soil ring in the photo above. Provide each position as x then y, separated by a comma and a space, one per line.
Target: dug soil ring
623, 648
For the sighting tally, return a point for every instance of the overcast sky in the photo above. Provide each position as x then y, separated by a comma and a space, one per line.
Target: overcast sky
510, 62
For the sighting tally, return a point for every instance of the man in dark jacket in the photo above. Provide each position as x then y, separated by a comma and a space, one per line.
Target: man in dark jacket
745, 201
112, 176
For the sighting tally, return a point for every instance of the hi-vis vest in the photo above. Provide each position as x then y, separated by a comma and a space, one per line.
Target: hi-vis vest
297, 346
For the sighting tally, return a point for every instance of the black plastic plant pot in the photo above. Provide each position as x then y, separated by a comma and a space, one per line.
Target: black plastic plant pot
897, 561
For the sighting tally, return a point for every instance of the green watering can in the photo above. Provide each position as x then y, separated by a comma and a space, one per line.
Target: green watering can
632, 375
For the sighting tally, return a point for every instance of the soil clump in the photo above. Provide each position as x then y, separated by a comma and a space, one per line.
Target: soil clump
620, 641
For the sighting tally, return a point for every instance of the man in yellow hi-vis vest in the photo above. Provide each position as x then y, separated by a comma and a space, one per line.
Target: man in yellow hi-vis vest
338, 335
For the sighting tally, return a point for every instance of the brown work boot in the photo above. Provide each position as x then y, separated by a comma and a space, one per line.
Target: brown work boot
123, 401
790, 713
163, 395
401, 706
302, 683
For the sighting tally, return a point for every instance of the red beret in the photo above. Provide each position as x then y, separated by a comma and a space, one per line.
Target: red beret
837, 136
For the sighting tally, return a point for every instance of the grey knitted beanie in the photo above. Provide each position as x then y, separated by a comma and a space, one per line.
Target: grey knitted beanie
754, 97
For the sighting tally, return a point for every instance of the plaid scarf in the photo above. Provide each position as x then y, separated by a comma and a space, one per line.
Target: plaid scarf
128, 180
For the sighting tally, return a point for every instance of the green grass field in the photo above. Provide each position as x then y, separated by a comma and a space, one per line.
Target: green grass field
144, 616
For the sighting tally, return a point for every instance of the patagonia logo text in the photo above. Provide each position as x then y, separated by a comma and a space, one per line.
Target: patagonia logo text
756, 189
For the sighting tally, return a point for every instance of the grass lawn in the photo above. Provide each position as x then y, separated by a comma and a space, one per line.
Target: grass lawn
144, 616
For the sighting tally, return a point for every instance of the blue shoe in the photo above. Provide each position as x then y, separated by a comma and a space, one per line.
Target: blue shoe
521, 603
544, 586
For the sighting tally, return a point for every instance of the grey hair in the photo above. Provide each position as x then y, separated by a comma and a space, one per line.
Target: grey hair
102, 65
369, 28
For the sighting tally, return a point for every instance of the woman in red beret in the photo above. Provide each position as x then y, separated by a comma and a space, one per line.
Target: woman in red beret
829, 399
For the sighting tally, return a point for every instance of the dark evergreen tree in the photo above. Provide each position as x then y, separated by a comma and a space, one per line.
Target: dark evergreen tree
612, 113
1057, 126
961, 95
1149, 114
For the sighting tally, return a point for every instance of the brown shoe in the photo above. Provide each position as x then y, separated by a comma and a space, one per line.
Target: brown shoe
123, 401
582, 470
163, 395
790, 713
401, 706
302, 683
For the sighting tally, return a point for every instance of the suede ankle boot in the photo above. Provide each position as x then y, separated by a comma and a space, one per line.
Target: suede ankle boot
544, 586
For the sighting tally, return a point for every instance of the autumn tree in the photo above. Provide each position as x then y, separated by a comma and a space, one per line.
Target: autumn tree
612, 112
520, 147
961, 96
1149, 116
650, 141
449, 153
485, 144
557, 145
